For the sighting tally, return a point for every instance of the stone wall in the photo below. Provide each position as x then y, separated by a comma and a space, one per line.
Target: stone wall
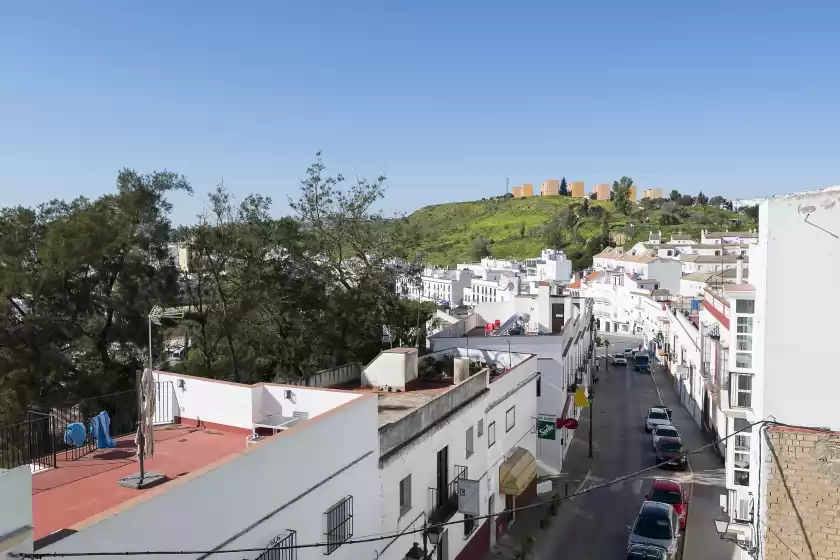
803, 495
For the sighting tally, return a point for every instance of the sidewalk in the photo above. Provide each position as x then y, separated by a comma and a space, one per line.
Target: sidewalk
575, 470
708, 481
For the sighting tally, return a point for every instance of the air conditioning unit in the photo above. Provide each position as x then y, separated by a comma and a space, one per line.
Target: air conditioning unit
743, 510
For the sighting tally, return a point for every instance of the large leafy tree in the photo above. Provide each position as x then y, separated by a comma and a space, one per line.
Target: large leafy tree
77, 280
621, 195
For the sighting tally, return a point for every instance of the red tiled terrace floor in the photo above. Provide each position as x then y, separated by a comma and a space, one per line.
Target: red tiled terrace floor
76, 490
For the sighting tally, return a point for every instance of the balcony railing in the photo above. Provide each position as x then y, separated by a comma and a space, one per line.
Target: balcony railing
445, 504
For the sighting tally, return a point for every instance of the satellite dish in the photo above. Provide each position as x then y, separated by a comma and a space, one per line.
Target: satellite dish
526, 317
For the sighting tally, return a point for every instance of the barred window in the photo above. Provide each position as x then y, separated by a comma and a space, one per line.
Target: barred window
339, 523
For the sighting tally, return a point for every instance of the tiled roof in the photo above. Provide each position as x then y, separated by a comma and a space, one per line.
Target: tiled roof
591, 276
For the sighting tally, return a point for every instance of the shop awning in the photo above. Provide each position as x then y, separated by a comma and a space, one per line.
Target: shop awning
517, 472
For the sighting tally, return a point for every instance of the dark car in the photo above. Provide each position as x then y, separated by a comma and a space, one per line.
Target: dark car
646, 552
670, 454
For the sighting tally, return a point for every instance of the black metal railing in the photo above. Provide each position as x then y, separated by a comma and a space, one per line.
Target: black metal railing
38, 440
281, 547
29, 442
339, 520
444, 502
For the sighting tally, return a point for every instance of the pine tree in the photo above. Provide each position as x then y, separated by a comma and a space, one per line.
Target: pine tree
564, 188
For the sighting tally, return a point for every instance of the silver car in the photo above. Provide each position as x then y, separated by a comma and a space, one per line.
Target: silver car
656, 524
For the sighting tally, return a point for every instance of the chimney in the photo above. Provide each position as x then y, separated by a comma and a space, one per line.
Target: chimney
739, 269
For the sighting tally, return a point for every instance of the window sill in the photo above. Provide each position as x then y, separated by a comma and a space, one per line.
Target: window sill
403, 511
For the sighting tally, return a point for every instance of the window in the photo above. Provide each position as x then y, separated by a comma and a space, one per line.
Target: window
480, 427
745, 306
742, 468
278, 548
405, 495
745, 325
469, 442
744, 342
339, 523
510, 419
491, 434
539, 385
743, 360
469, 524
740, 388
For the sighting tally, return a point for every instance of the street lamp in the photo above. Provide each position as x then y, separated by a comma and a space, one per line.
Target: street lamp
430, 535
722, 528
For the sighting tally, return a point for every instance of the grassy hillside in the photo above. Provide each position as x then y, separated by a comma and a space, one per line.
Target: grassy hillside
449, 229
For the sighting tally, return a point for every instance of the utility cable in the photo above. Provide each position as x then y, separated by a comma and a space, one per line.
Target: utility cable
427, 527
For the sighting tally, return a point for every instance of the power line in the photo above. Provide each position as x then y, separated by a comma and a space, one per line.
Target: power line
395, 534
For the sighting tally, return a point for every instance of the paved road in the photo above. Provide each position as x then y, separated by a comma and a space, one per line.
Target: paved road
595, 525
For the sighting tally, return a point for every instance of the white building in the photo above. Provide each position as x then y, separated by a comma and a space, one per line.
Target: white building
491, 286
714, 264
729, 237
647, 266
551, 266
778, 370
694, 285
618, 299
436, 284
309, 482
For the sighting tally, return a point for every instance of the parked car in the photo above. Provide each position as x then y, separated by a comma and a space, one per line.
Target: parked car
628, 353
657, 416
664, 430
619, 360
671, 492
646, 552
657, 524
670, 454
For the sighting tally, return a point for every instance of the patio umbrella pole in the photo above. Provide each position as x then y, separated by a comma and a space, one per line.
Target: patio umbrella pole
141, 480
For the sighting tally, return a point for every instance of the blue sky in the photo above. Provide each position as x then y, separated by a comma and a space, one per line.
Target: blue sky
447, 98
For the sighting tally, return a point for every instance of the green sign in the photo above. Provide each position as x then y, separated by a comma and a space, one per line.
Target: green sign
546, 429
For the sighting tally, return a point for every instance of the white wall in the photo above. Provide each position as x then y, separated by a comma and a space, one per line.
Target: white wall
799, 327
15, 510
668, 272
239, 406
296, 475
552, 400
391, 368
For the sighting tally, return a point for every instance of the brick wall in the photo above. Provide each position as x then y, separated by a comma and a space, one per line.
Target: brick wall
803, 495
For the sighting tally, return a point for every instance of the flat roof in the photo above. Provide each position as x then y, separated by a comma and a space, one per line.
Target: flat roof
80, 489
395, 406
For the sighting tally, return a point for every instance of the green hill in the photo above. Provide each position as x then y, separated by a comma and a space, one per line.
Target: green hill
520, 228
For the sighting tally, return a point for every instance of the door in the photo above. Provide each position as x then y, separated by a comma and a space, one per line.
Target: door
510, 505
557, 318
442, 475
443, 546
491, 505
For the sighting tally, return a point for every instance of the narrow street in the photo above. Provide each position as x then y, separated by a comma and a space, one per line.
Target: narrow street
595, 525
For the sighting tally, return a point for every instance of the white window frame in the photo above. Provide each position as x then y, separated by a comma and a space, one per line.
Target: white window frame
480, 427
742, 447
510, 418
491, 434
736, 390
470, 447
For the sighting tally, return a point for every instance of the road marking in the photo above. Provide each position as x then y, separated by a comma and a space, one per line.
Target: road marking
638, 486
617, 486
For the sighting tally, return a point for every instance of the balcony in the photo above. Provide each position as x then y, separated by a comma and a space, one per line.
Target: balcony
443, 505
736, 396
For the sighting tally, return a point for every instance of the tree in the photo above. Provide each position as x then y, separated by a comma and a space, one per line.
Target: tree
78, 280
751, 212
583, 211
480, 247
686, 200
717, 201
675, 195
521, 230
702, 199
621, 195
564, 188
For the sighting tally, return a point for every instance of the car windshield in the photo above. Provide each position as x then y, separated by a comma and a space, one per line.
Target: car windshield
656, 415
666, 445
646, 553
667, 432
653, 527
666, 496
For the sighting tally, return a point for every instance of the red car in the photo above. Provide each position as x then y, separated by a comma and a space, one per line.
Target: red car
668, 491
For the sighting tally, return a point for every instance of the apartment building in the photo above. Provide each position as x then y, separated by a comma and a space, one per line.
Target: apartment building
617, 298
521, 191
551, 266
550, 187
710, 263
602, 191
437, 285
729, 237
648, 265
782, 480
632, 193
652, 193
577, 189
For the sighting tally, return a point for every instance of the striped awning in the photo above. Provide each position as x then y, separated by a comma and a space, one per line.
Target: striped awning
517, 472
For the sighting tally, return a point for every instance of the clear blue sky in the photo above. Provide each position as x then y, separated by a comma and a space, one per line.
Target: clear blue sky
735, 98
